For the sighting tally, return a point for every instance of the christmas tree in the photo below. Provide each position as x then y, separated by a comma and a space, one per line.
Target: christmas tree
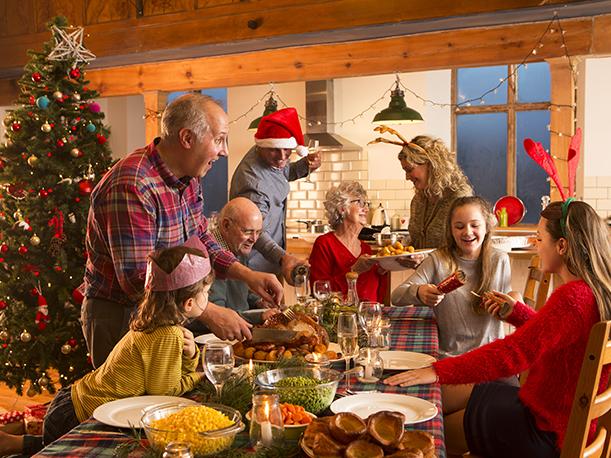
55, 151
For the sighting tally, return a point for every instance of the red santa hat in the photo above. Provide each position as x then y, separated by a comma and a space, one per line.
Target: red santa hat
281, 129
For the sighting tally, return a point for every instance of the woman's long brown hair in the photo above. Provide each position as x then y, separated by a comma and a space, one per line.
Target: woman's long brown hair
166, 308
588, 255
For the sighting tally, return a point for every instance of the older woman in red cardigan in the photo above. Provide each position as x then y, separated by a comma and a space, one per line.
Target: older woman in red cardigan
340, 251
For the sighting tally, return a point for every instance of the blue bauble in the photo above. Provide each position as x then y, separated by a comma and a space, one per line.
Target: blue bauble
42, 102
90, 127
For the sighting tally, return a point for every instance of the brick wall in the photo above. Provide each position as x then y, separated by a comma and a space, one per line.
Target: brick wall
597, 192
305, 200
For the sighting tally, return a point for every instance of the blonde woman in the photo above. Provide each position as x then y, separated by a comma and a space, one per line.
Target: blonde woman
338, 252
438, 180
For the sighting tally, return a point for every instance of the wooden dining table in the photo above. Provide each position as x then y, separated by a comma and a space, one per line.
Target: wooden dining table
412, 329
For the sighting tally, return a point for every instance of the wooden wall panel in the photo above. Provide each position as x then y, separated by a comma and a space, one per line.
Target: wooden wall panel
499, 45
601, 34
47, 9
18, 17
157, 7
100, 11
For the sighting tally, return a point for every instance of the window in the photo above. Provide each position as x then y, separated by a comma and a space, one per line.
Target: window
490, 129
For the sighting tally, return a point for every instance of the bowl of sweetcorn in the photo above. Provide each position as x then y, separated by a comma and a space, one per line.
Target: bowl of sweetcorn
207, 428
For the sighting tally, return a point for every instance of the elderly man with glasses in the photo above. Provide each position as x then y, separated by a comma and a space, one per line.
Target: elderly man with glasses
239, 226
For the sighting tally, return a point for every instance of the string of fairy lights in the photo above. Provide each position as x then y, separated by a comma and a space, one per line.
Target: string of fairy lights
553, 26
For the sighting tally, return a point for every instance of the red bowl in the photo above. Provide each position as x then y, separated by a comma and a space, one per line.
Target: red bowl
514, 206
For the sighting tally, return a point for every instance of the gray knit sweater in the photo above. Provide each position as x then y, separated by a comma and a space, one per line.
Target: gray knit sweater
460, 328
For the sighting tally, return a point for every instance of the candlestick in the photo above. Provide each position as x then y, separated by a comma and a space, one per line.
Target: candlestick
266, 427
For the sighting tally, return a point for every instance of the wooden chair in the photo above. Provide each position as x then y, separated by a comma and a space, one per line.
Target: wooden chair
537, 284
587, 405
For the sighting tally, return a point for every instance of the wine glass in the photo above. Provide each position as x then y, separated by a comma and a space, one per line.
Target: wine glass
347, 337
312, 150
370, 315
322, 290
218, 362
302, 289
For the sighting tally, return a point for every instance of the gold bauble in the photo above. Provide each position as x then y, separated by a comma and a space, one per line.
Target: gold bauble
74, 152
43, 381
46, 127
4, 335
35, 240
32, 160
31, 391
58, 95
25, 336
66, 349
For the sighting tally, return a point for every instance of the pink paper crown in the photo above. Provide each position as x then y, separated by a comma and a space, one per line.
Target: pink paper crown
190, 270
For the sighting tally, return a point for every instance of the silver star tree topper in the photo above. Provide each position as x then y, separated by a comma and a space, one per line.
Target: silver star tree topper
69, 45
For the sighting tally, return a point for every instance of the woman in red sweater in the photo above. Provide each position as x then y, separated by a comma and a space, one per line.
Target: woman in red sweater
338, 252
505, 421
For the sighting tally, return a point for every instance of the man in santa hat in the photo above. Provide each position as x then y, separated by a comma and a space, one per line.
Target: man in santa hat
263, 176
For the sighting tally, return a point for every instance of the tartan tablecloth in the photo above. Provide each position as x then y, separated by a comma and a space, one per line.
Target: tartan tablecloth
412, 329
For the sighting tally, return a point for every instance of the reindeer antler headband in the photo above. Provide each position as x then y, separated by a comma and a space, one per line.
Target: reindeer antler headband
383, 129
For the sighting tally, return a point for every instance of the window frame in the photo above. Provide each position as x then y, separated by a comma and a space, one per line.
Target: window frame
511, 108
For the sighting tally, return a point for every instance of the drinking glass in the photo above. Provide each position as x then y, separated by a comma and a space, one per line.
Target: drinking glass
312, 150
302, 289
370, 314
218, 362
347, 337
322, 290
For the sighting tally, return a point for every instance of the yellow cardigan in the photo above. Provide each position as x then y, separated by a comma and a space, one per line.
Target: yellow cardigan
141, 363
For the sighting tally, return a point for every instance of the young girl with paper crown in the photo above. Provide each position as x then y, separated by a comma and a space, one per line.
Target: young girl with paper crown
506, 421
463, 324
156, 357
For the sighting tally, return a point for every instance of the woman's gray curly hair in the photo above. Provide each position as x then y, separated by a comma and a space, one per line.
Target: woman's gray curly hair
338, 198
444, 172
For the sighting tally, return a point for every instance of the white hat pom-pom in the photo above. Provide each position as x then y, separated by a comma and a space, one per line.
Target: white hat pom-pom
302, 150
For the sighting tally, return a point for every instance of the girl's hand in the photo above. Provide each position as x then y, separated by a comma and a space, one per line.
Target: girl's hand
498, 304
430, 295
188, 347
416, 377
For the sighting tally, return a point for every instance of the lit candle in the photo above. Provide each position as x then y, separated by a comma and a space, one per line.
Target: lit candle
368, 366
251, 370
266, 427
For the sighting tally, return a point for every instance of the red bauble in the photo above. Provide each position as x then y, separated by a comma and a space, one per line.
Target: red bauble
72, 342
43, 193
77, 199
22, 249
85, 187
60, 143
4, 247
77, 295
101, 139
36, 77
57, 268
16, 126
75, 73
49, 154
34, 292
3, 305
32, 100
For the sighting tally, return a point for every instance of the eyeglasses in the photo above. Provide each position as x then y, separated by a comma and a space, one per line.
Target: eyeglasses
361, 203
247, 232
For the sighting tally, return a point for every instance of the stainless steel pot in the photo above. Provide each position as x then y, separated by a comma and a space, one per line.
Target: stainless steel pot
315, 226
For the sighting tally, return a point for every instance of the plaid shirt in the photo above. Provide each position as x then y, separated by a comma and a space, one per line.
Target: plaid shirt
140, 206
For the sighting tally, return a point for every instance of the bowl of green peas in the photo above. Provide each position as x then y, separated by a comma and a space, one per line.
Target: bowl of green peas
313, 388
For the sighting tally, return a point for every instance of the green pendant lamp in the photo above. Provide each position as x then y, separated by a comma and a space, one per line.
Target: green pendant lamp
270, 106
397, 112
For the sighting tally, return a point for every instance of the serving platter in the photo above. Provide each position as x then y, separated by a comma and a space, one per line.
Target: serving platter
390, 262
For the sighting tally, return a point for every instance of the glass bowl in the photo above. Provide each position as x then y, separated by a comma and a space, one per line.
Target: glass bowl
315, 398
203, 442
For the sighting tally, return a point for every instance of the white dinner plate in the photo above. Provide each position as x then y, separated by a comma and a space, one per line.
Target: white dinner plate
126, 413
405, 360
390, 262
205, 338
415, 410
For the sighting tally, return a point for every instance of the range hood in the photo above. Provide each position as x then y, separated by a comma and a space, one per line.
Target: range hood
320, 114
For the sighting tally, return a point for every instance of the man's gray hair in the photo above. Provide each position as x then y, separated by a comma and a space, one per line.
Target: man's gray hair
338, 199
189, 111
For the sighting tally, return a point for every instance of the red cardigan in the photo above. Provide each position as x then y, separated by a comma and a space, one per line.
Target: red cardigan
551, 343
331, 260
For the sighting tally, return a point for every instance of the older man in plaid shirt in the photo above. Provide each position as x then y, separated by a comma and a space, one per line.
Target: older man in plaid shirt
149, 200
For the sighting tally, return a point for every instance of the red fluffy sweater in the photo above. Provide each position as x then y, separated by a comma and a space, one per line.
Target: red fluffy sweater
551, 343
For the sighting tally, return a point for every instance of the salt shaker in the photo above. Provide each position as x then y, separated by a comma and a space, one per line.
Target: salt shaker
177, 450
